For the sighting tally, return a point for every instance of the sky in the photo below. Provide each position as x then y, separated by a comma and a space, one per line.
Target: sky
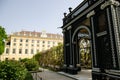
34, 15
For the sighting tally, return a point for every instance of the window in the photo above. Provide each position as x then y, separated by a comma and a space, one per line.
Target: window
37, 41
48, 46
26, 44
37, 50
48, 42
32, 45
43, 45
32, 41
53, 42
6, 58
100, 19
14, 44
20, 51
14, 39
43, 41
19, 58
8, 43
21, 40
20, 44
26, 40
7, 50
32, 51
14, 51
26, 51
13, 58
37, 45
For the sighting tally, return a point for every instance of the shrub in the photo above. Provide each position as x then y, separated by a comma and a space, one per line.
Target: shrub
37, 56
24, 60
28, 76
31, 64
12, 70
52, 58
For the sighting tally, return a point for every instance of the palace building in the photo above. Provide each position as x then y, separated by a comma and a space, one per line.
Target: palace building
25, 44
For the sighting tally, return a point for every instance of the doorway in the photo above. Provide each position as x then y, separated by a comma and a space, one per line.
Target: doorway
84, 44
85, 53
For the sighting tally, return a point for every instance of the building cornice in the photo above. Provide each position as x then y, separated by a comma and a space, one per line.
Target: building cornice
83, 13
38, 38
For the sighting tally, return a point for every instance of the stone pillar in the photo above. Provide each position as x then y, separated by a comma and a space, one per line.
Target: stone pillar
69, 30
71, 68
76, 54
64, 52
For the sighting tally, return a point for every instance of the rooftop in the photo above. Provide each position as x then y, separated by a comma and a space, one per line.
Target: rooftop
42, 34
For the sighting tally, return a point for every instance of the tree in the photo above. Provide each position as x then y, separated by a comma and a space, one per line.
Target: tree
3, 36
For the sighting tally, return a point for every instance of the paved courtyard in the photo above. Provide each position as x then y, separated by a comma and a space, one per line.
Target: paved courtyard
50, 75
83, 75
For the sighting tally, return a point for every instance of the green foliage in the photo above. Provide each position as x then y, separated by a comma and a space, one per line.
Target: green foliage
86, 59
52, 58
28, 76
24, 60
37, 56
30, 64
85, 54
3, 36
12, 70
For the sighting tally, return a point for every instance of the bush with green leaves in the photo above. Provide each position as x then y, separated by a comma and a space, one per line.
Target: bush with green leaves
52, 58
12, 70
37, 56
31, 64
29, 76
24, 60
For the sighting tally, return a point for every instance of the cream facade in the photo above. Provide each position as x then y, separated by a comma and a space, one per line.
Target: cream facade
25, 44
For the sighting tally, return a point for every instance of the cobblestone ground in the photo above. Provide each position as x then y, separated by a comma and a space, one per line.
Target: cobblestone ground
50, 75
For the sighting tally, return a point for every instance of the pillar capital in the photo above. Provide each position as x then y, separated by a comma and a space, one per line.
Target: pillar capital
90, 14
110, 2
68, 28
63, 31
